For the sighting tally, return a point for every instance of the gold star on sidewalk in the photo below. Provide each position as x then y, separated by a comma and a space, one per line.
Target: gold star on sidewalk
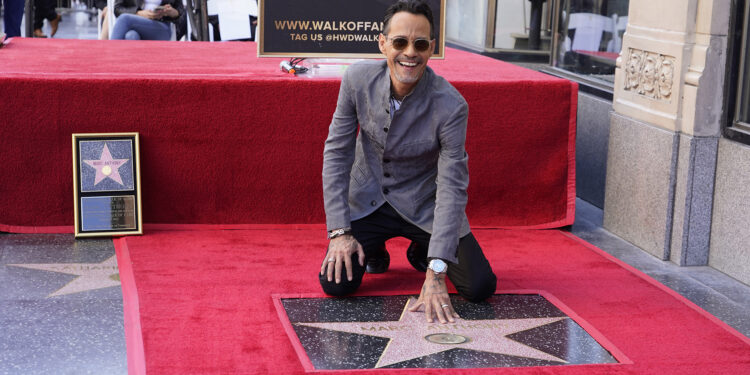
411, 337
91, 276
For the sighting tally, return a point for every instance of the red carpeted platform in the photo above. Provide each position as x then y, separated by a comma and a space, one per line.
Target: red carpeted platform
206, 307
226, 138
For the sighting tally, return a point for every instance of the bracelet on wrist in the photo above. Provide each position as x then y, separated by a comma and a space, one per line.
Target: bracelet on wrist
338, 232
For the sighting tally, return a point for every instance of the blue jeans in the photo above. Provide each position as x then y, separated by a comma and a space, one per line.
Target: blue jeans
131, 27
12, 17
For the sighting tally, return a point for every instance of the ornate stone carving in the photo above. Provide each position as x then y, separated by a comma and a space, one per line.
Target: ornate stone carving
649, 74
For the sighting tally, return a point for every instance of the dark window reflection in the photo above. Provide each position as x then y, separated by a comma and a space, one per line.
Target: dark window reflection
590, 36
523, 24
743, 106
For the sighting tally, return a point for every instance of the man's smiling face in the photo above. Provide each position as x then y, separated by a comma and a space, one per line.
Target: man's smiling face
408, 64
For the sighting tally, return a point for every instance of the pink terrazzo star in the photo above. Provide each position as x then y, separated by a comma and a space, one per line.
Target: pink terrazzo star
106, 167
409, 336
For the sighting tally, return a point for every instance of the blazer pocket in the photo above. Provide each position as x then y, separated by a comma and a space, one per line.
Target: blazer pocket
359, 176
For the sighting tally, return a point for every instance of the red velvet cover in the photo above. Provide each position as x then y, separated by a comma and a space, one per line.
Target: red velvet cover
227, 138
202, 303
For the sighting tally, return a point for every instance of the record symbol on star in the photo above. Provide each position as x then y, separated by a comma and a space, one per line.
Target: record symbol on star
107, 167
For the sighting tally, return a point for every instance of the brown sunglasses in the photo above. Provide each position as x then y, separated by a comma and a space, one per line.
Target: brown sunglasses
401, 43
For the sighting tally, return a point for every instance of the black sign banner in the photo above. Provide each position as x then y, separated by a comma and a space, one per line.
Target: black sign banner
331, 28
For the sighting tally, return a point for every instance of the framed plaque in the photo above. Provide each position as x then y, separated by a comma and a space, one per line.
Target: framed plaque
106, 184
331, 28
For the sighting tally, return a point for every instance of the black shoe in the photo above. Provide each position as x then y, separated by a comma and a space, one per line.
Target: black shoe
378, 263
417, 256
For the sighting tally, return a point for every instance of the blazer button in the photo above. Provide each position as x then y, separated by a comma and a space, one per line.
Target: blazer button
373, 203
385, 129
385, 190
386, 160
386, 174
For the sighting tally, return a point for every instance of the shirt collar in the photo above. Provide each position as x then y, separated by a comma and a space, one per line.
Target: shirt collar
385, 84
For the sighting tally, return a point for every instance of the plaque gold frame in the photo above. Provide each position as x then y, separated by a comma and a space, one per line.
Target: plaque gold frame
135, 192
262, 51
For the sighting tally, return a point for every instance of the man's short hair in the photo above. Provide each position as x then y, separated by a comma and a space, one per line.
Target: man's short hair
412, 6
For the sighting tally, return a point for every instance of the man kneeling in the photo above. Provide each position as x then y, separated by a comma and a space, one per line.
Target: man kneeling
406, 173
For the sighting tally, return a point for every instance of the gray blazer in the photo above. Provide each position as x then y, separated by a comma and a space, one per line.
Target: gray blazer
416, 161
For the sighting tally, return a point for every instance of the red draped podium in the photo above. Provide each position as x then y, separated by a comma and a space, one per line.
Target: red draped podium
227, 138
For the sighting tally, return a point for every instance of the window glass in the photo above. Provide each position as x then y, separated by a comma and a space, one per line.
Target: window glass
466, 22
523, 24
590, 36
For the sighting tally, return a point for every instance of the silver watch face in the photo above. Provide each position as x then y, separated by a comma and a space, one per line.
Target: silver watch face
438, 266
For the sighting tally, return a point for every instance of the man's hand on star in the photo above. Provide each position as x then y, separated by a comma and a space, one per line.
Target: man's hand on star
435, 300
339, 257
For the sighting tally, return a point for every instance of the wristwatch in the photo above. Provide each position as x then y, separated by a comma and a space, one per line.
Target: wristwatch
338, 232
438, 266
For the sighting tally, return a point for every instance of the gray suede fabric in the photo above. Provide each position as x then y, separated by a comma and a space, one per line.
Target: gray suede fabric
419, 164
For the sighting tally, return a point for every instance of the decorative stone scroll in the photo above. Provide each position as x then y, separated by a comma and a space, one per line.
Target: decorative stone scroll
649, 74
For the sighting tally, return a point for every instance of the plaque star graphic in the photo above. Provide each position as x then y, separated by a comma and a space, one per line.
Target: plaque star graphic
107, 167
411, 337
90, 275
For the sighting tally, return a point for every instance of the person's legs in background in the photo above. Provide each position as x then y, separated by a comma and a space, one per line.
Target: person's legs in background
132, 35
12, 16
45, 9
132, 27
104, 35
39, 15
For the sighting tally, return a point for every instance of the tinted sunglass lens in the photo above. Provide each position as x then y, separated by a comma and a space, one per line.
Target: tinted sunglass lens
399, 43
421, 45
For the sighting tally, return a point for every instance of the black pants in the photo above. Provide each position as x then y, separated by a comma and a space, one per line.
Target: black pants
472, 275
44, 9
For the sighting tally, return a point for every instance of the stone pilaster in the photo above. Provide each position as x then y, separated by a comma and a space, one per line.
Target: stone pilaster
670, 77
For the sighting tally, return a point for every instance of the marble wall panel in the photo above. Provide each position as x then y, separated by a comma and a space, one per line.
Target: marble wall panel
592, 137
680, 191
693, 205
730, 237
639, 190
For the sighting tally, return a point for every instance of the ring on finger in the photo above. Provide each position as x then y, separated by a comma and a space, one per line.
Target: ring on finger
331, 259
445, 305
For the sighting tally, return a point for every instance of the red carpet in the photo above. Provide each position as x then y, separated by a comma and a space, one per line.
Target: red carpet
206, 303
226, 138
